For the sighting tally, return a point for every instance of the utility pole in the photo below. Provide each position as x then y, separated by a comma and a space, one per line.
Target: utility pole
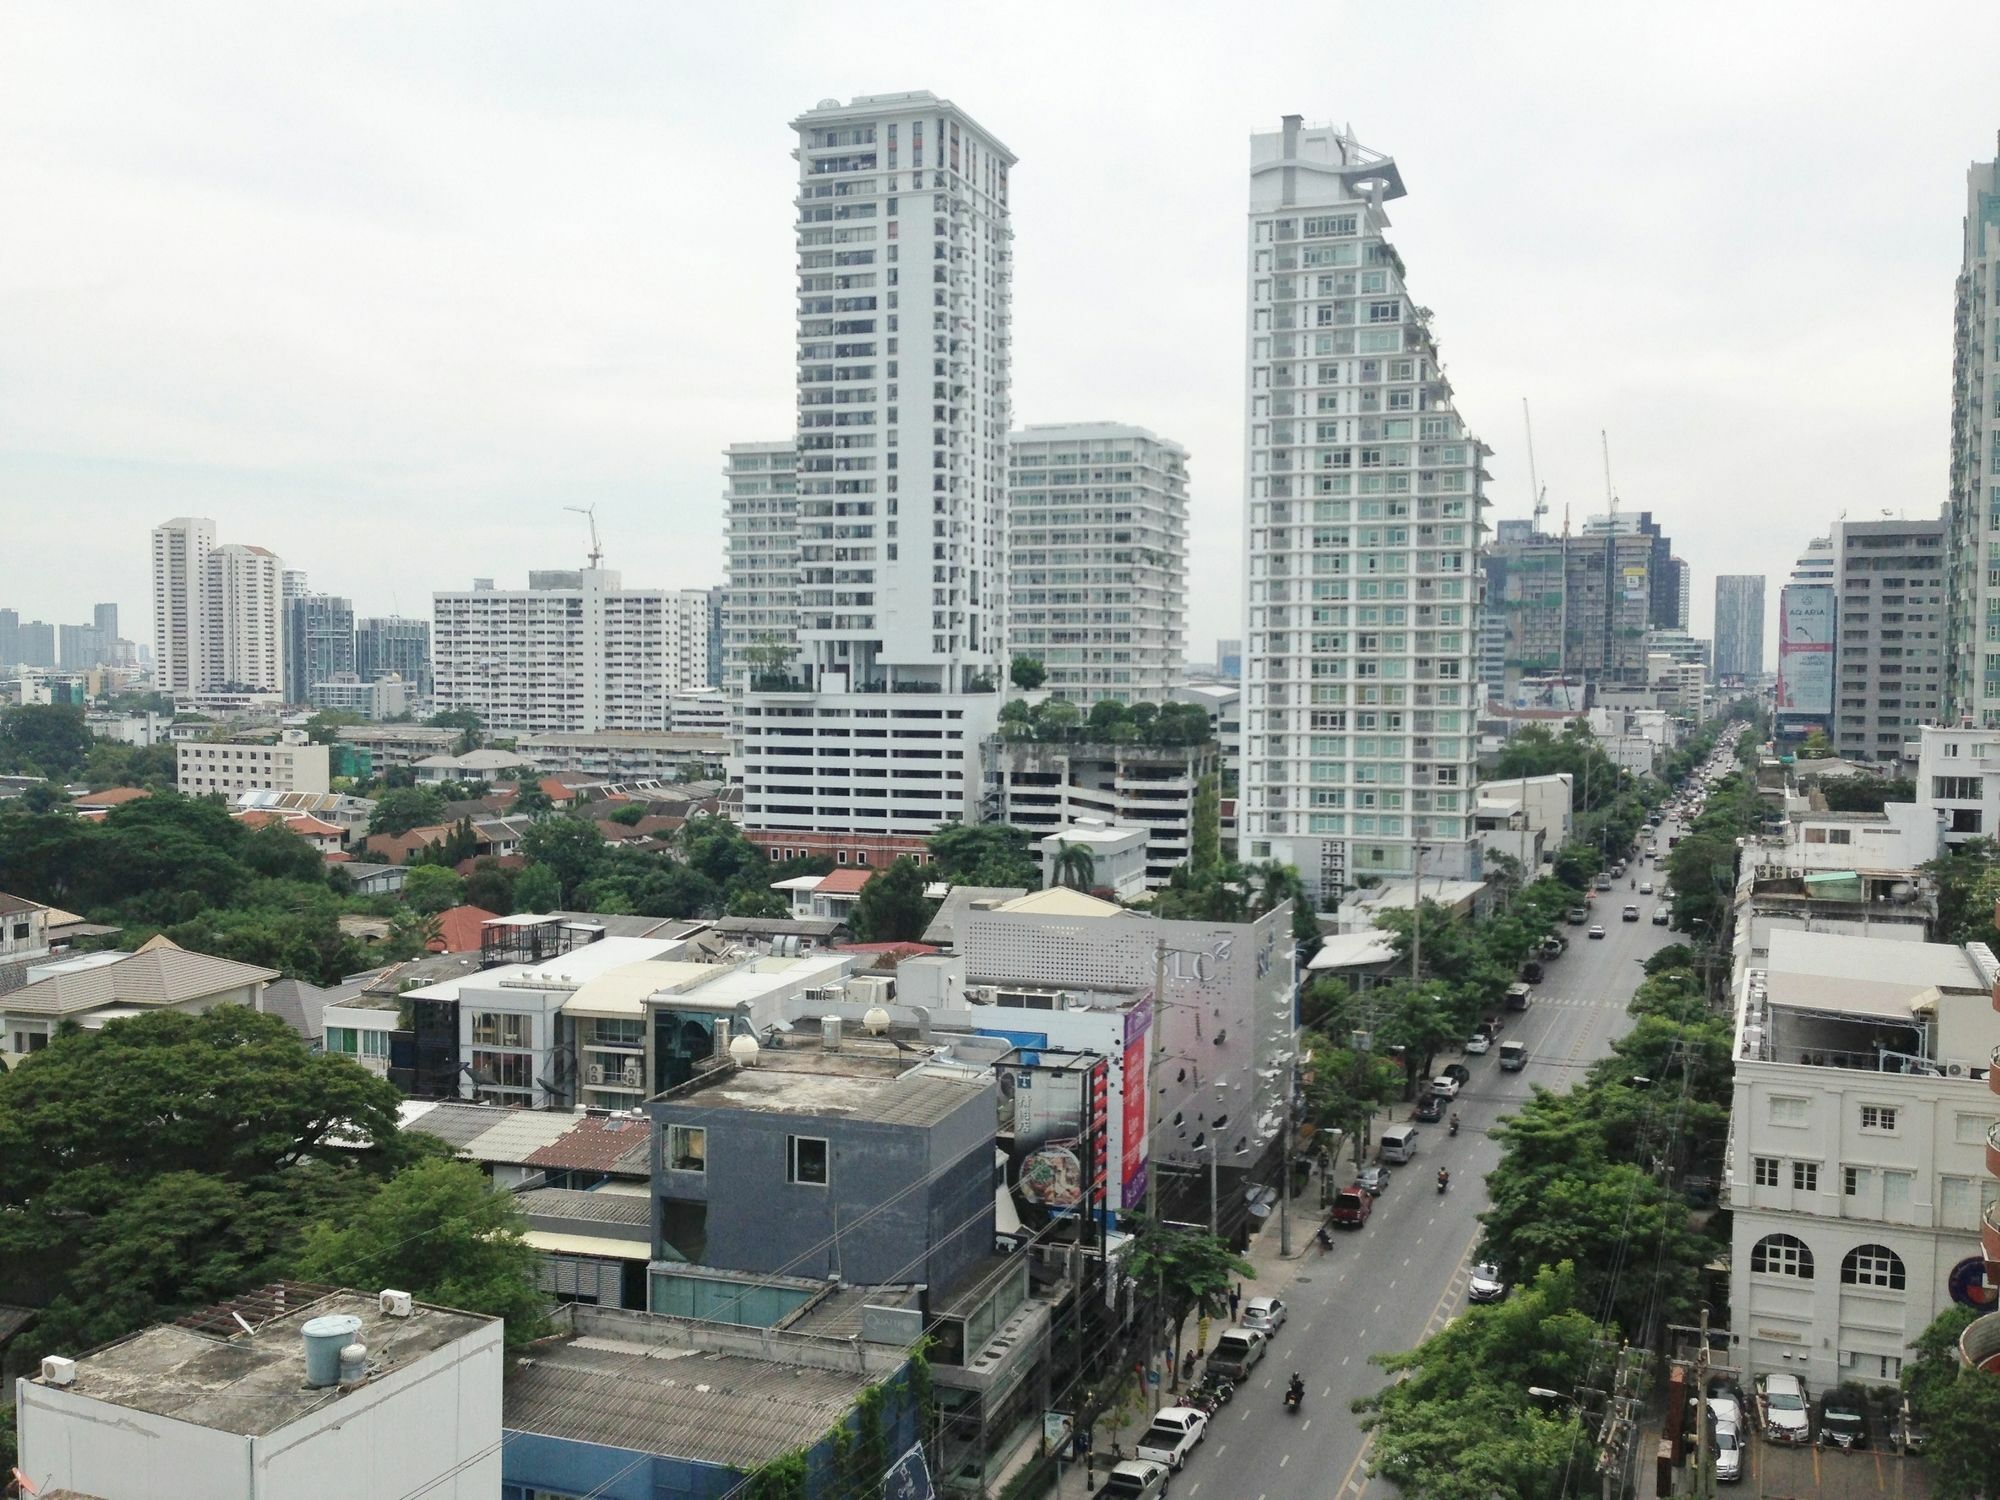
1152, 1073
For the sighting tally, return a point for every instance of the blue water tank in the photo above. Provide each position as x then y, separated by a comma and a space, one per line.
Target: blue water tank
325, 1337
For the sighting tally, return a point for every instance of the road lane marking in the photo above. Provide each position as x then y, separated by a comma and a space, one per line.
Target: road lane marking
1323, 1395
1283, 1459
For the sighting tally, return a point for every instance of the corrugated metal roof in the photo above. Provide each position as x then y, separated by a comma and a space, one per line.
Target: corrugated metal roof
595, 1143
596, 1208
716, 1408
518, 1136
458, 1124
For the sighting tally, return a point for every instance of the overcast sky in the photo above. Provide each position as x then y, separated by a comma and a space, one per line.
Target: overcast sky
385, 287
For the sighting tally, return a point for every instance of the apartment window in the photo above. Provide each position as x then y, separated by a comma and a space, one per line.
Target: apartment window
1805, 1176
490, 1029
1971, 1130
1878, 1117
1782, 1255
1767, 1170
1785, 1110
1857, 1182
1873, 1265
687, 1148
1956, 788
805, 1160
353, 1041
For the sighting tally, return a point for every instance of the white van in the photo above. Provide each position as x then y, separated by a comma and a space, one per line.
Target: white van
1399, 1143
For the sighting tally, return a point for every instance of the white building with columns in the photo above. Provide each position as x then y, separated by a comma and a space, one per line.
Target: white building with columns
1362, 526
904, 352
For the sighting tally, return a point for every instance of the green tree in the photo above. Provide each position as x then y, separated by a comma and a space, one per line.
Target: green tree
1075, 867
1184, 1269
627, 816
530, 800
1964, 877
324, 728
1027, 674
536, 889
1960, 1410
1343, 1086
570, 848
43, 739
400, 809
1459, 1422
1205, 836
991, 854
490, 887
430, 889
439, 1231
891, 907
276, 853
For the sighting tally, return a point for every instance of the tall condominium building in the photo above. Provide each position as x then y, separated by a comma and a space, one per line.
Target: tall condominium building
385, 644
180, 612
760, 608
1815, 564
1739, 625
36, 644
1097, 559
1889, 655
1972, 512
1365, 494
10, 638
319, 642
1683, 593
105, 618
244, 630
716, 596
81, 646
876, 724
1576, 604
574, 651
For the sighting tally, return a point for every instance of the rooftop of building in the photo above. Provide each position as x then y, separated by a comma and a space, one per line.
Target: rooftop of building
159, 974
943, 929
726, 1409
564, 971
1872, 976
209, 1372
869, 1080
1095, 835
1060, 901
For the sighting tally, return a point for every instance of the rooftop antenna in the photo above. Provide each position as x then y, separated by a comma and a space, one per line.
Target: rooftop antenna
1541, 496
596, 552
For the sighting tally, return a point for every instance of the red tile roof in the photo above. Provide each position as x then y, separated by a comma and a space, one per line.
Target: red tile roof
555, 791
597, 1143
116, 796
459, 929
846, 882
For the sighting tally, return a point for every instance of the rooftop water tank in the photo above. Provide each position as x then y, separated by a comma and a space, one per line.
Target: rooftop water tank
829, 1033
877, 1020
743, 1051
325, 1337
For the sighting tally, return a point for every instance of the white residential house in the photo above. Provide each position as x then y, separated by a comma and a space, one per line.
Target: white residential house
1859, 1133
1118, 857
91, 989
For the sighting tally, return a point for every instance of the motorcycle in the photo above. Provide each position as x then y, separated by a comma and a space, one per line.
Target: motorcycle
1454, 1126
1444, 1181
1216, 1391
1295, 1394
1325, 1238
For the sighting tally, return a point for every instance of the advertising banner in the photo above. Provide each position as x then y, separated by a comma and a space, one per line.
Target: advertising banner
1132, 1107
1805, 649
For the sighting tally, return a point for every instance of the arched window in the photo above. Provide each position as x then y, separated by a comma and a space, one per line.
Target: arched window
1872, 1265
1782, 1255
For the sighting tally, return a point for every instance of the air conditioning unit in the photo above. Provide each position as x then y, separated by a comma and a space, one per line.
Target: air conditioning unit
58, 1371
394, 1304
597, 1072
632, 1075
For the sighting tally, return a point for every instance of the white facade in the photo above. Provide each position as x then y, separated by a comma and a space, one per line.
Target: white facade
761, 527
1224, 702
703, 711
243, 639
625, 754
1097, 559
1958, 778
1972, 683
1117, 857
384, 698
1539, 814
1046, 787
291, 765
1364, 500
178, 1414
1889, 649
1856, 1162
180, 611
901, 480
1901, 837
575, 650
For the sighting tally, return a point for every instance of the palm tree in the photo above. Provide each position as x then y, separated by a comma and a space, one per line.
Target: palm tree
1076, 867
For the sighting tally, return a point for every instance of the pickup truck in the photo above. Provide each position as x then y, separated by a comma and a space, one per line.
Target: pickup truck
1238, 1351
1173, 1436
1135, 1479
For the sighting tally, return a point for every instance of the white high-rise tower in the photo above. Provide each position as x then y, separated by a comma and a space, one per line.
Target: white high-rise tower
904, 316
1364, 510
180, 608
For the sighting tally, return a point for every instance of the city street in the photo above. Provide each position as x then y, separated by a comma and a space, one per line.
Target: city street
1385, 1286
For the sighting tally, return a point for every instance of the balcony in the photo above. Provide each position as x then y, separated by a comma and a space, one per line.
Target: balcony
1989, 1240
1979, 1345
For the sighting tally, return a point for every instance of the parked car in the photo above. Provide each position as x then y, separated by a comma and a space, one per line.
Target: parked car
1351, 1207
1429, 1108
1374, 1181
1478, 1043
1135, 1479
1459, 1070
1783, 1409
1724, 1410
1597, 932
1661, 916
1487, 1284
1843, 1417
1173, 1435
1265, 1314
1445, 1086
1553, 946
1727, 1445
1905, 1432
1531, 972
1513, 1056
1603, 883
1237, 1353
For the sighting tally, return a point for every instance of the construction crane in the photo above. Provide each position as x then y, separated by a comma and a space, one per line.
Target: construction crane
1541, 506
1610, 495
596, 552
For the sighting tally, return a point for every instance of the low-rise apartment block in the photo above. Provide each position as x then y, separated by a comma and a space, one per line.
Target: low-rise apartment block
291, 763
1048, 786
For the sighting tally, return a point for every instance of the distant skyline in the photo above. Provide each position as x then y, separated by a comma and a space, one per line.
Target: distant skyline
383, 290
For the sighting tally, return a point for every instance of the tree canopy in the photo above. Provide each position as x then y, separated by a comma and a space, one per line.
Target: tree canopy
44, 739
984, 854
892, 907
1055, 720
1959, 1408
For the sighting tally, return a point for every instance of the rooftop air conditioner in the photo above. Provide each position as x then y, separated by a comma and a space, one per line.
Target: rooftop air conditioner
394, 1304
631, 1075
58, 1371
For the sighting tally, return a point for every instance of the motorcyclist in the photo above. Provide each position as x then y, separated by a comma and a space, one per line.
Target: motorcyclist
1444, 1178
1454, 1122
1296, 1391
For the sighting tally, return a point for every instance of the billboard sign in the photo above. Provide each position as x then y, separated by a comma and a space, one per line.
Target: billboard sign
1132, 1107
1059, 1152
1805, 650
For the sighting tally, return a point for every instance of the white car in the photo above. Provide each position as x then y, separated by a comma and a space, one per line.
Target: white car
1173, 1435
1597, 932
1445, 1086
1487, 1284
1478, 1043
1135, 1479
1728, 1447
1645, 887
1784, 1408
1265, 1314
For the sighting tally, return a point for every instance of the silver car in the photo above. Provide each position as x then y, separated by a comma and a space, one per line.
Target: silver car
1265, 1314
1487, 1284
